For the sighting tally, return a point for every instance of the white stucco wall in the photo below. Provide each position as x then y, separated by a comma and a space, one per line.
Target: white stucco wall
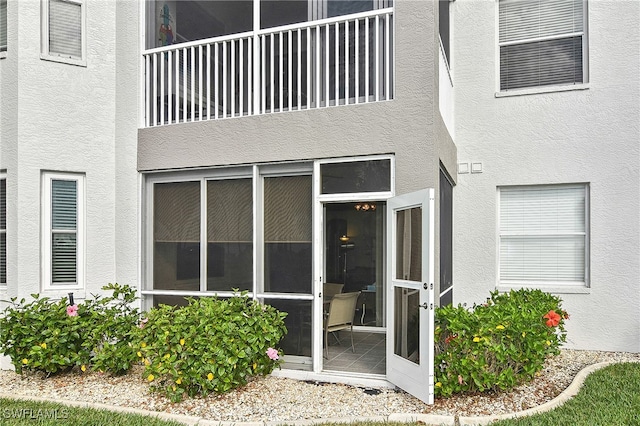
405, 126
409, 126
589, 135
67, 118
126, 180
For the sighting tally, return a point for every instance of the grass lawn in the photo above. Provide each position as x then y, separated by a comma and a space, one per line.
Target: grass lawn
609, 397
20, 413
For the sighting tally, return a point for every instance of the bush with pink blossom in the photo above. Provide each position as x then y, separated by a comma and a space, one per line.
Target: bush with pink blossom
54, 336
210, 345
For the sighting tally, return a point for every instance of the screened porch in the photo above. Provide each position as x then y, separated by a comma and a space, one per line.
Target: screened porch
204, 61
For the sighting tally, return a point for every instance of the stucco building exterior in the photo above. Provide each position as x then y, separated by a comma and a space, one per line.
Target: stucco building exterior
416, 152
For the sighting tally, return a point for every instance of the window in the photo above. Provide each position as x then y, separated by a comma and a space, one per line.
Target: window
444, 28
183, 261
3, 26
251, 228
542, 43
171, 22
288, 215
63, 231
229, 234
3, 231
63, 31
543, 235
356, 176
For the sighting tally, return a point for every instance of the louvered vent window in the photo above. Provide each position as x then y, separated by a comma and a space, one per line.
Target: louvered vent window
543, 235
3, 25
3, 232
542, 43
64, 36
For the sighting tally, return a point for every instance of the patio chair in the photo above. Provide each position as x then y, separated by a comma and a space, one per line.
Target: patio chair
342, 309
331, 289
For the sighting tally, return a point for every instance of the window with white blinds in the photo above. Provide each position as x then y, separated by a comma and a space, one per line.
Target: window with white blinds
63, 230
3, 231
64, 30
3, 25
543, 235
542, 43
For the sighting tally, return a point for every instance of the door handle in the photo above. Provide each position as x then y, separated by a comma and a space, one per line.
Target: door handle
425, 305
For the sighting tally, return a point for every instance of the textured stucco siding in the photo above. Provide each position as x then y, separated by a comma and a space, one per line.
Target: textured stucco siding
589, 135
126, 177
409, 126
403, 126
63, 118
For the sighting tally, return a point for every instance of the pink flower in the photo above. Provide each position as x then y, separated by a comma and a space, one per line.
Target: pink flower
72, 310
143, 323
272, 353
460, 379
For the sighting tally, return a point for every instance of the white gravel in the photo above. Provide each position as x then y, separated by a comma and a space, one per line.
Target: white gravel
279, 399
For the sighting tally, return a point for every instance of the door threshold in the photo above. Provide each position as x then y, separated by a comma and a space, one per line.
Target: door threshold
342, 377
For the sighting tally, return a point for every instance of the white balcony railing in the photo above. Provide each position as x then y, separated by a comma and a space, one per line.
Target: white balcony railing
336, 61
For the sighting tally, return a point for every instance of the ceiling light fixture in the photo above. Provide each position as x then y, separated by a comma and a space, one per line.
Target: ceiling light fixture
365, 207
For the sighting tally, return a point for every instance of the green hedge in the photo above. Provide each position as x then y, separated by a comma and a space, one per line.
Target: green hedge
51, 336
210, 345
498, 344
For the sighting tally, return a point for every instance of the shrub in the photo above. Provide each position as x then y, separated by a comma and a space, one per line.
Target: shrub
498, 344
112, 326
210, 345
51, 336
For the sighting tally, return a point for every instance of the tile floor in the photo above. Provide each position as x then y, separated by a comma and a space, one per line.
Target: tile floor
369, 356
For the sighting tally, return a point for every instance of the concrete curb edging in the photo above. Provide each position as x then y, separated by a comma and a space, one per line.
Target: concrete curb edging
571, 391
429, 419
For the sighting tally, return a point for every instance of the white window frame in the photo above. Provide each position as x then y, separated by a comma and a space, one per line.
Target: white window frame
46, 54
3, 231
555, 286
544, 88
47, 178
3, 24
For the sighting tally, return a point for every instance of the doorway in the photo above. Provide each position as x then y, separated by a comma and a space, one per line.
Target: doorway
354, 262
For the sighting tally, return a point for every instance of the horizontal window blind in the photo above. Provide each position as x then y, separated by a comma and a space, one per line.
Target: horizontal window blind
3, 25
65, 28
64, 204
64, 221
3, 231
63, 258
3, 204
543, 234
3, 254
541, 42
530, 19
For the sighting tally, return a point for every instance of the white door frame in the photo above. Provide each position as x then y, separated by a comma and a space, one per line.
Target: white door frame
415, 377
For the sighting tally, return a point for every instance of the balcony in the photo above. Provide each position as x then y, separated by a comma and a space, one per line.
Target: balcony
343, 60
